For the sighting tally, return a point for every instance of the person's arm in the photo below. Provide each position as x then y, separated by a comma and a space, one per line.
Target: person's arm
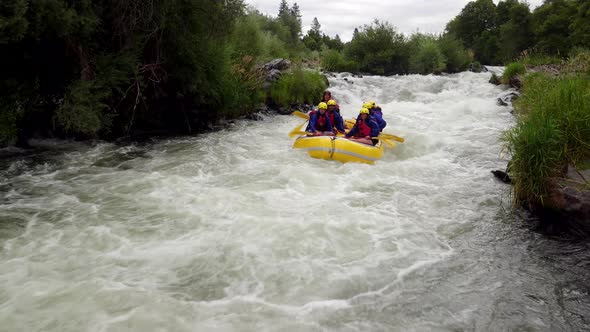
374, 129
339, 122
353, 131
382, 124
329, 124
312, 122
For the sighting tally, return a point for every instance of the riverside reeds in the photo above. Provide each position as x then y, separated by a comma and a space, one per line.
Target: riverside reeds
552, 131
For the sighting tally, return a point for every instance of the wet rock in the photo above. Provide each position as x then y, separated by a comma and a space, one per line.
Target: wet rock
475, 67
507, 98
495, 80
568, 203
277, 64
284, 110
502, 176
301, 108
516, 81
273, 75
255, 116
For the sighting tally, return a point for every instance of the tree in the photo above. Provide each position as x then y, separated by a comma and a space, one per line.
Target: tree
378, 48
333, 43
580, 27
457, 58
476, 27
291, 19
552, 26
313, 38
516, 33
284, 10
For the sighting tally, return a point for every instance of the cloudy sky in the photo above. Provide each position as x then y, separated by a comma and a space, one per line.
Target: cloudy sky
342, 16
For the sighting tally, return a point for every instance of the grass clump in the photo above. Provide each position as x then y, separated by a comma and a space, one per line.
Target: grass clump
512, 70
298, 86
553, 130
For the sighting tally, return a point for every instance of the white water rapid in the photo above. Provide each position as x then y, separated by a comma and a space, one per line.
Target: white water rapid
235, 231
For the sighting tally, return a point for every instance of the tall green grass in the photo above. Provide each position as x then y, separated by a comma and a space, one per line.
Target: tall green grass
553, 130
512, 70
298, 86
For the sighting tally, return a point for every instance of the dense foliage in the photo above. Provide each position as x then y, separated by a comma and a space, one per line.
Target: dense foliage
378, 48
108, 68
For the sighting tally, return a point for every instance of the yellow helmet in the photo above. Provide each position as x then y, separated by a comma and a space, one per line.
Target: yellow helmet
372, 103
322, 106
331, 102
368, 105
364, 110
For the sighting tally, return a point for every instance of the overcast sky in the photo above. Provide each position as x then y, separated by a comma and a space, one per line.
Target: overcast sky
342, 16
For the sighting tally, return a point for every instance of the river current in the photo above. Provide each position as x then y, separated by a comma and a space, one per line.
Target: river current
236, 231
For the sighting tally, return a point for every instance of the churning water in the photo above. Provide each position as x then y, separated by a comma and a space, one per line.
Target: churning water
235, 231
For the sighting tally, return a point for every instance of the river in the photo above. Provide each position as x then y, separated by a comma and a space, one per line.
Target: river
235, 231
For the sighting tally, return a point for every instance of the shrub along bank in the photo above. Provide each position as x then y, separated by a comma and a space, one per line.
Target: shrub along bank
552, 134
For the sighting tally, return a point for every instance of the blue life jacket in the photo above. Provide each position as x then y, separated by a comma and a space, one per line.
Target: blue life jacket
377, 115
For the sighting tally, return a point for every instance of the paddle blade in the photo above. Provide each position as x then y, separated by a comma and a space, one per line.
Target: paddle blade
388, 143
301, 115
296, 130
299, 133
392, 137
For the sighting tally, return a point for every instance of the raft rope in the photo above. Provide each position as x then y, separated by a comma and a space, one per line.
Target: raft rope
333, 149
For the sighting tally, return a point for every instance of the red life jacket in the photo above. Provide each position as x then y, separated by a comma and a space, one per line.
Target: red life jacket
363, 128
321, 124
331, 115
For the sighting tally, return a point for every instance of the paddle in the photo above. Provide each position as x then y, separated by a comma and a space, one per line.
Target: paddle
393, 137
296, 131
301, 115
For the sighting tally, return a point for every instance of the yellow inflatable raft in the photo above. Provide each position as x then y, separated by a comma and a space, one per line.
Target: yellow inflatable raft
340, 149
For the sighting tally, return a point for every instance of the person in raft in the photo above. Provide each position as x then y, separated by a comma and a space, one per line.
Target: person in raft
334, 115
376, 114
327, 96
319, 121
364, 129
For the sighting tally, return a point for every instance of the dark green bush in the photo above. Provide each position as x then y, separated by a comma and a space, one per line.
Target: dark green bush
427, 57
299, 86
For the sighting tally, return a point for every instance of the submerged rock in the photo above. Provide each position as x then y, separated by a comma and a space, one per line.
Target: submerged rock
502, 176
507, 98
